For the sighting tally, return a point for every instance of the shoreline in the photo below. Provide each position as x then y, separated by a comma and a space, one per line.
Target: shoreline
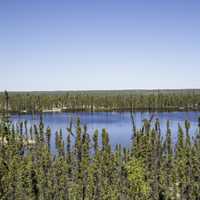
108, 111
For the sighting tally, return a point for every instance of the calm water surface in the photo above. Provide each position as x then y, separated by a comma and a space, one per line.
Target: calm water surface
117, 124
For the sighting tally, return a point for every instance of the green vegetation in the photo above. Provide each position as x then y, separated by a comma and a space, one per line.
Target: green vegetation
127, 100
82, 168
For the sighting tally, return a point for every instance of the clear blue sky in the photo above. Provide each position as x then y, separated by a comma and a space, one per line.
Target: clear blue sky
99, 44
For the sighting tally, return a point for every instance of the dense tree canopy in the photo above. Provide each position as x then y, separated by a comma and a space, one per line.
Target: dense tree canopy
87, 168
102, 101
83, 168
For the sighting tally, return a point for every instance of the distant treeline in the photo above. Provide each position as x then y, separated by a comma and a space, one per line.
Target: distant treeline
154, 168
127, 100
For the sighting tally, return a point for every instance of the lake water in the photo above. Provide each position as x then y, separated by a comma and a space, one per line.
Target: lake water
117, 124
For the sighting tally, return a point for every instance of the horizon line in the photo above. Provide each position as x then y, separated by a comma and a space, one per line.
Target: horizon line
104, 90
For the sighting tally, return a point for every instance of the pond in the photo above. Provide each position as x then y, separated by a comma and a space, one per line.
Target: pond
117, 124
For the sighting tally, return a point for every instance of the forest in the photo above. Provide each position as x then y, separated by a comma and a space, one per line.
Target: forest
85, 167
91, 101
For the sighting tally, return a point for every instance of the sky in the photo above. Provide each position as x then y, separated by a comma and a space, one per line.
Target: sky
99, 44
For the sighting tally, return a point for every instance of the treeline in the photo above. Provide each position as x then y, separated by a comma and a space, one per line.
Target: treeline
82, 168
94, 101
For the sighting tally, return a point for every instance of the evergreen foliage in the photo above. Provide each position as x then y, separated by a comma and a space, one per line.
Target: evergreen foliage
82, 168
33, 102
